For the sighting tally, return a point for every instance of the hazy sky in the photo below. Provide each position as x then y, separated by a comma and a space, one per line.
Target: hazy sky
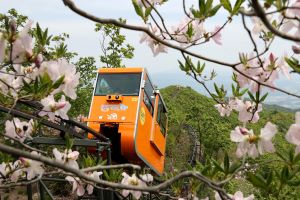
164, 67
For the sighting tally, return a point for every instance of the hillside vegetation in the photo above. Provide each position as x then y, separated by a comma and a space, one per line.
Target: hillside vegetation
186, 106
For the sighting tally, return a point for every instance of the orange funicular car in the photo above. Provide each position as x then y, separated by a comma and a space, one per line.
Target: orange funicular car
127, 109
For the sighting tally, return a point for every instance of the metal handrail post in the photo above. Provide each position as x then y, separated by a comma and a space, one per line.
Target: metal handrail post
29, 191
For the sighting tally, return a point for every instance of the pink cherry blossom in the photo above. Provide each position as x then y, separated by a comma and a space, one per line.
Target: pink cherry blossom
57, 69
247, 140
250, 68
265, 138
248, 112
179, 32
292, 13
147, 178
155, 46
32, 167
223, 109
258, 25
78, 186
95, 175
18, 129
10, 171
266, 71
68, 157
53, 108
217, 35
293, 134
283, 67
133, 181
22, 46
14, 171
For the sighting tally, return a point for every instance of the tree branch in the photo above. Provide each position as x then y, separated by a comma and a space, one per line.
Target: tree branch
262, 15
47, 161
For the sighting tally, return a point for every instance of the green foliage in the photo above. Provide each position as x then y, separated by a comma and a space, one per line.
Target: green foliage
294, 64
114, 49
186, 106
206, 9
86, 66
142, 11
227, 6
270, 171
12, 14
41, 87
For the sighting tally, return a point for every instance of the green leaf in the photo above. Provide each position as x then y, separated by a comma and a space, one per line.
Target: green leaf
269, 177
257, 180
195, 13
214, 10
38, 32
190, 31
284, 174
237, 6
233, 167
217, 89
251, 96
182, 66
233, 90
217, 166
148, 12
226, 163
283, 157
202, 6
58, 82
243, 92
26, 87
45, 78
294, 183
257, 96
208, 5
226, 4
138, 9
297, 158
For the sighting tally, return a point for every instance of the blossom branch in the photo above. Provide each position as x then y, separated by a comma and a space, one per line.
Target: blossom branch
21, 183
83, 175
25, 145
262, 15
84, 14
105, 167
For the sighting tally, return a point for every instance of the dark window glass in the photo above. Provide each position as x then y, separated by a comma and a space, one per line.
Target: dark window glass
148, 96
161, 116
124, 84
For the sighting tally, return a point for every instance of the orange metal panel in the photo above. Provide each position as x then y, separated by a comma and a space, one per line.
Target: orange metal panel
152, 155
123, 113
158, 140
121, 70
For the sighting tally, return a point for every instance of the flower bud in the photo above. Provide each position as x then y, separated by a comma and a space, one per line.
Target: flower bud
296, 49
38, 60
60, 105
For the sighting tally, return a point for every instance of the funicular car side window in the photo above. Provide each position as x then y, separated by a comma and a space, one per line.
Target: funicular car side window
148, 95
161, 116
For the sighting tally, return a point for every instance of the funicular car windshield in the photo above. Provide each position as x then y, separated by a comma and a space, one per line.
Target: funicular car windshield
127, 84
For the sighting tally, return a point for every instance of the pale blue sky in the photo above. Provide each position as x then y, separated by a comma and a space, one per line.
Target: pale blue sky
164, 68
